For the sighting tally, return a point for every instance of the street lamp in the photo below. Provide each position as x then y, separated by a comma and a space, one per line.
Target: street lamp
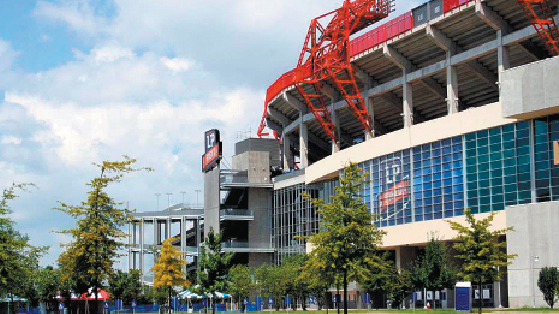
157, 195
534, 259
183, 193
169, 199
197, 191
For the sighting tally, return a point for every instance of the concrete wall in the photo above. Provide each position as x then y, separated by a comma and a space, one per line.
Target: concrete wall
531, 90
256, 259
470, 120
536, 233
419, 233
257, 163
211, 200
258, 229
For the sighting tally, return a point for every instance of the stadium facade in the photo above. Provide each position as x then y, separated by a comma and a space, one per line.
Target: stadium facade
464, 100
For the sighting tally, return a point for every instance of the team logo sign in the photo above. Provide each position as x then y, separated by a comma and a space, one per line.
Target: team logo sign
395, 184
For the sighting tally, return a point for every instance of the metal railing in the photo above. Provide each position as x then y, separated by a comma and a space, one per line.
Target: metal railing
230, 176
246, 245
236, 212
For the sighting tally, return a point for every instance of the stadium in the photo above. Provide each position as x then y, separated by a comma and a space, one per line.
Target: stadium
452, 105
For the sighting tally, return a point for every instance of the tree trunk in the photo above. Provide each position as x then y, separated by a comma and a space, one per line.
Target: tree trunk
480, 298
96, 311
326, 301
345, 291
169, 299
338, 301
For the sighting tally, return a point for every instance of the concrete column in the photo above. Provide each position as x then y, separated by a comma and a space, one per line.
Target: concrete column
183, 242
169, 225
336, 122
503, 53
451, 85
303, 143
398, 258
131, 241
287, 155
368, 105
156, 232
408, 102
141, 257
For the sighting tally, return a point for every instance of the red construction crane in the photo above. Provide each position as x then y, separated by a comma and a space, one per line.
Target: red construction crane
326, 57
541, 16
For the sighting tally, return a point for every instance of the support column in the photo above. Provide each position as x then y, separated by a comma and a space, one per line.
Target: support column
141, 257
451, 85
169, 225
131, 241
368, 105
503, 55
408, 102
183, 241
303, 143
198, 242
336, 122
156, 232
287, 155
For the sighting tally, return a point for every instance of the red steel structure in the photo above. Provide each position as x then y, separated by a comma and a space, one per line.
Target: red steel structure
326, 56
541, 16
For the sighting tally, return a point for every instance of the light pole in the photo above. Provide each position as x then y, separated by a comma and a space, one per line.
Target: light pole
534, 259
169, 199
183, 193
157, 195
197, 191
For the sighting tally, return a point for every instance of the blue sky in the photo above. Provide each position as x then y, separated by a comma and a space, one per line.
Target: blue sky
83, 81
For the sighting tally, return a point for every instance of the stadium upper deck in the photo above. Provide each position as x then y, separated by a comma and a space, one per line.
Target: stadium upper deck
438, 59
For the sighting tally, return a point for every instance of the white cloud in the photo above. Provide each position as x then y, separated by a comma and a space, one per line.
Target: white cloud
111, 53
177, 64
78, 14
7, 139
7, 55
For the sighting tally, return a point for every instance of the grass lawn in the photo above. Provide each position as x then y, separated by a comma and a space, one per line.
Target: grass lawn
406, 311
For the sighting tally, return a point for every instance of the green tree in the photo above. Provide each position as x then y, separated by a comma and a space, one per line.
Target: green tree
348, 241
298, 284
433, 271
48, 284
18, 259
273, 282
88, 261
125, 286
214, 265
400, 286
480, 250
168, 270
380, 278
548, 282
240, 282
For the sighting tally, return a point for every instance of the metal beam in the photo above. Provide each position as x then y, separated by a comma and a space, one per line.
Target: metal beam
491, 18
396, 57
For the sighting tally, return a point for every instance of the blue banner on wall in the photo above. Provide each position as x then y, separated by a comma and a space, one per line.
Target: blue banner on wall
463, 298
